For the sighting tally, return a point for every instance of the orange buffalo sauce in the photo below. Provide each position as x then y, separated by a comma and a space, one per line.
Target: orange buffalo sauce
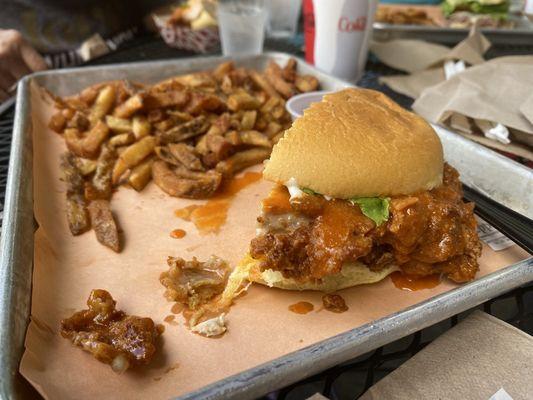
277, 201
209, 217
334, 231
302, 307
412, 283
178, 233
185, 212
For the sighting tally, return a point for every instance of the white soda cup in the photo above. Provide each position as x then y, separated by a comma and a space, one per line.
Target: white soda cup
342, 33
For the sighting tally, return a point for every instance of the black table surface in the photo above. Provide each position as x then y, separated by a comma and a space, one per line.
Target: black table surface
348, 380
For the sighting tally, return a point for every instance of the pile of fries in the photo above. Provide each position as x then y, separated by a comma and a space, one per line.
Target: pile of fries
189, 133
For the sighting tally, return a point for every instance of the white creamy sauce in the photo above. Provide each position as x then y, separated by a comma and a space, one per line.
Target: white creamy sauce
293, 188
212, 327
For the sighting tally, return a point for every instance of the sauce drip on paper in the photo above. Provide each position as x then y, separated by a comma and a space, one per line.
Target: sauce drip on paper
302, 307
209, 217
178, 233
412, 283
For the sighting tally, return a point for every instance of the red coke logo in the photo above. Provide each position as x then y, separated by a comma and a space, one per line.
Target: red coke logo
358, 24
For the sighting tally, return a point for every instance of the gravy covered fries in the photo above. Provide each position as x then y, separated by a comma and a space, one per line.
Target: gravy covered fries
189, 133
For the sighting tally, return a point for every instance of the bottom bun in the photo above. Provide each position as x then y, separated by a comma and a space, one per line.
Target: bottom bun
352, 274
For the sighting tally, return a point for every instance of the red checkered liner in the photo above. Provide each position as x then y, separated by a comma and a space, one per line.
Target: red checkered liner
183, 37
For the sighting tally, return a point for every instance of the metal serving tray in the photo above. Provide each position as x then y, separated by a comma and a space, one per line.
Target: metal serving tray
16, 244
522, 33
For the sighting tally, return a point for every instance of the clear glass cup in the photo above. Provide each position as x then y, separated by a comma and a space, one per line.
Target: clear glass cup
283, 17
241, 25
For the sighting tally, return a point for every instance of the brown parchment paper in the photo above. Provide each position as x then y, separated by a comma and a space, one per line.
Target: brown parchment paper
260, 326
488, 355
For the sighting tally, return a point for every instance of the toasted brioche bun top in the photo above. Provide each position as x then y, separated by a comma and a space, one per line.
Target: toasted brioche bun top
358, 143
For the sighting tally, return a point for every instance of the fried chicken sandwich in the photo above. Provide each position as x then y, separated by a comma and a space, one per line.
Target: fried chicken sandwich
361, 191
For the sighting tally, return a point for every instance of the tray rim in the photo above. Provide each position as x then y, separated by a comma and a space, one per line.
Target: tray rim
17, 255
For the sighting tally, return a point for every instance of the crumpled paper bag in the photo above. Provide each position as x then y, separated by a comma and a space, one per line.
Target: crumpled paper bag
495, 97
488, 102
478, 358
412, 55
425, 61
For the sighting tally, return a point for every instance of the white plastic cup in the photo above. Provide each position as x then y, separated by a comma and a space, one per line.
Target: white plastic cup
241, 24
296, 105
283, 17
342, 32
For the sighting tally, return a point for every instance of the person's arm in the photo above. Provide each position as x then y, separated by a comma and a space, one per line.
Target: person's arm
17, 58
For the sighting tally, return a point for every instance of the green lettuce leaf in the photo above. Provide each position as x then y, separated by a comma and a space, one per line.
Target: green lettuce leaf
497, 10
375, 208
309, 191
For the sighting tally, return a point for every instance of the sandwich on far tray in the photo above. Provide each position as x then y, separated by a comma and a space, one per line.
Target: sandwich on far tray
361, 190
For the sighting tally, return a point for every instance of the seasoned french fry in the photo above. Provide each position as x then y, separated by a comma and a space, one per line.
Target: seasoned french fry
77, 217
119, 169
233, 137
261, 81
289, 71
270, 104
130, 106
100, 187
180, 116
57, 122
223, 69
118, 125
164, 154
78, 121
195, 127
103, 103
132, 156
104, 224
141, 175
89, 95
166, 99
261, 123
272, 129
242, 160
276, 138
78, 220
186, 155
164, 125
201, 145
248, 120
198, 186
196, 80
95, 137
306, 83
68, 113
140, 127
220, 147
243, 101
226, 85
202, 102
254, 138
74, 141
85, 166
155, 115
274, 76
121, 140
278, 112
